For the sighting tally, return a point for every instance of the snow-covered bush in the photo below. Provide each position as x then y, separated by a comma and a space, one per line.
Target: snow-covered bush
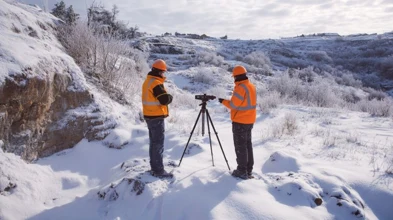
267, 71
284, 52
287, 125
204, 75
371, 80
319, 92
207, 58
117, 66
350, 95
322, 95
319, 56
330, 139
378, 108
291, 62
389, 161
386, 67
290, 123
166, 49
348, 80
258, 59
375, 94
183, 100
269, 101
307, 74
284, 85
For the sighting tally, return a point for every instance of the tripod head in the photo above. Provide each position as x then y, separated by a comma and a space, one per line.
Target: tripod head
204, 97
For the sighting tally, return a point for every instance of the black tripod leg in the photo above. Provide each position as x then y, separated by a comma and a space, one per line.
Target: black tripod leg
219, 142
190, 137
210, 140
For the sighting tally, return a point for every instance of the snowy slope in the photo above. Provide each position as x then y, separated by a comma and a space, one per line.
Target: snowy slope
27, 41
310, 162
337, 156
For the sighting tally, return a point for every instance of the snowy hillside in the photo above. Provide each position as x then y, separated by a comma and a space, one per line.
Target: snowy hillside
323, 142
339, 157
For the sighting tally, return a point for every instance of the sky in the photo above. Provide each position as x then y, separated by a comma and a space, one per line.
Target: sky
249, 19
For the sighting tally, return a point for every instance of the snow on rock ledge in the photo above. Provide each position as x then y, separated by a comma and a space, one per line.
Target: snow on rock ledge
39, 84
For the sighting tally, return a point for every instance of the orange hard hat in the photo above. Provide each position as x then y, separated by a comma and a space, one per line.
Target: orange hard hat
238, 70
160, 64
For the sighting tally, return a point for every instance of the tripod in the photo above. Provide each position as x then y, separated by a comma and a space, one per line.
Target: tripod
202, 112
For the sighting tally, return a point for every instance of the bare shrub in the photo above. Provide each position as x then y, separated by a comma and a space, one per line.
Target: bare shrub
290, 123
389, 161
375, 94
258, 59
117, 66
307, 74
386, 67
277, 130
378, 108
348, 80
285, 85
322, 95
269, 101
329, 139
261, 63
353, 138
183, 100
204, 75
208, 58
319, 56
372, 80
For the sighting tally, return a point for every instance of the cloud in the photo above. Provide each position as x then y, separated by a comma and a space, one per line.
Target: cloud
389, 9
250, 19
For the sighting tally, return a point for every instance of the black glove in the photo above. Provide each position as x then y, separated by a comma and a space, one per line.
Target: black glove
220, 100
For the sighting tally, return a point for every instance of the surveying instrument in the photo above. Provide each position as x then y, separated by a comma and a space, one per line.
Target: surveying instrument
204, 98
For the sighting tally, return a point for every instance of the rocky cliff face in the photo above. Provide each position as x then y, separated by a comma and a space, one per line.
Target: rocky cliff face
41, 88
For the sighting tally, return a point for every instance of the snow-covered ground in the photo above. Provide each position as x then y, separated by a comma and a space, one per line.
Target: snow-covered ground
337, 156
310, 162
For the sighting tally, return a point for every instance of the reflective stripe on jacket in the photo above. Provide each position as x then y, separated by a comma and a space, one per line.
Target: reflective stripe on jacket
243, 103
150, 103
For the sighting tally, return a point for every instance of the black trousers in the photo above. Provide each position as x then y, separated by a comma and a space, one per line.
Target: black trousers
156, 146
243, 146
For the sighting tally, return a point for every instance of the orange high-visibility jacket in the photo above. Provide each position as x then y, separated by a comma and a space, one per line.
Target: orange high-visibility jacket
243, 103
151, 105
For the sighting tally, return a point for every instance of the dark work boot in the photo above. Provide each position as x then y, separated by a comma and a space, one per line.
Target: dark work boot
162, 175
240, 174
250, 176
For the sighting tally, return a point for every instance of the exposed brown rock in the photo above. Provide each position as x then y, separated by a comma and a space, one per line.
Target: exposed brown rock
318, 201
31, 107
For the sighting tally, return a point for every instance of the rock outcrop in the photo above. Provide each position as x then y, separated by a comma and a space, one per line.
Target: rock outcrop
42, 90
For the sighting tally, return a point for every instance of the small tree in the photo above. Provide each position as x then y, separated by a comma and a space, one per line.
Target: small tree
66, 14
71, 16
60, 10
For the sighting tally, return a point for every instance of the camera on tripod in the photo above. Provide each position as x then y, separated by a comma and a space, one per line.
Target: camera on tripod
205, 97
202, 113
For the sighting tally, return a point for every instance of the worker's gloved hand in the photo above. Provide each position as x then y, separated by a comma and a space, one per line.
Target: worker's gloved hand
220, 100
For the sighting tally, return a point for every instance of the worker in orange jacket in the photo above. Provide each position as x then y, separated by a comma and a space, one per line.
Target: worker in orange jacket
243, 115
155, 101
